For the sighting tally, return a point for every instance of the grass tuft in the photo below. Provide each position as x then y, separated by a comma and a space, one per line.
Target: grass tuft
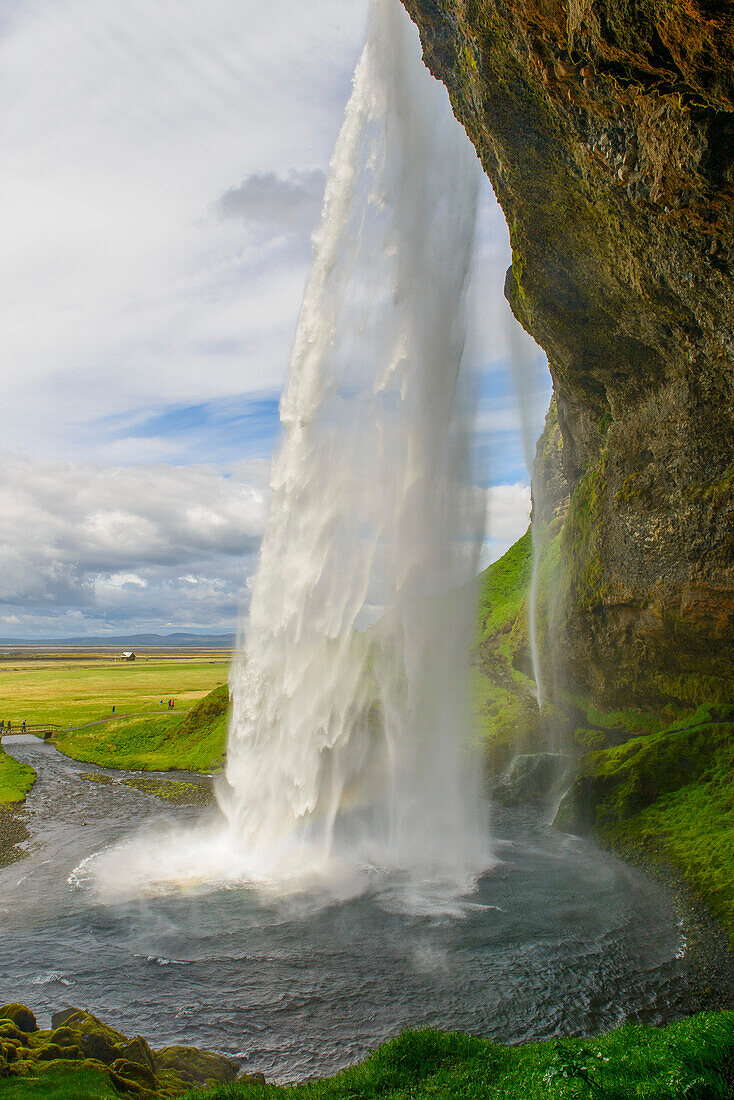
692, 1058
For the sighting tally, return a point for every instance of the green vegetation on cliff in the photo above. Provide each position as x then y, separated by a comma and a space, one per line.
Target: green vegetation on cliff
505, 703
656, 784
667, 797
195, 741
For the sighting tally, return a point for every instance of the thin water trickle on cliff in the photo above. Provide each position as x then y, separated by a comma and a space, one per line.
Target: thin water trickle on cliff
524, 364
350, 749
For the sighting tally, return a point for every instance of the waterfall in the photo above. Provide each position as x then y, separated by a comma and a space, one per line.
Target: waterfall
350, 733
351, 764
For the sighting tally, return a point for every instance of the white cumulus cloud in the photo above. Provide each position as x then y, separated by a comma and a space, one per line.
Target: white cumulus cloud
146, 545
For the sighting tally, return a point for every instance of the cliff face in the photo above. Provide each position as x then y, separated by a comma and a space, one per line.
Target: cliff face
607, 129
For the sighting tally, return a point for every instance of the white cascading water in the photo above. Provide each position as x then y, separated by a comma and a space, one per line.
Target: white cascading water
350, 743
359, 739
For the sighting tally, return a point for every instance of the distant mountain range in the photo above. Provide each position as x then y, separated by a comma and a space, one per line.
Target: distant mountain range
129, 641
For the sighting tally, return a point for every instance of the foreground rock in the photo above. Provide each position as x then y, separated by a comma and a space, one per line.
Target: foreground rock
78, 1041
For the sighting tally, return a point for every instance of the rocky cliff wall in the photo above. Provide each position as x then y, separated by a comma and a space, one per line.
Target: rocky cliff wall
607, 129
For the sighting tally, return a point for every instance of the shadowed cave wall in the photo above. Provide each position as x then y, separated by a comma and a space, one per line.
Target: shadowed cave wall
607, 130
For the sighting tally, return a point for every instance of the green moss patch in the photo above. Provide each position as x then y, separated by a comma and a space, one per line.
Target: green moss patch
83, 1057
667, 796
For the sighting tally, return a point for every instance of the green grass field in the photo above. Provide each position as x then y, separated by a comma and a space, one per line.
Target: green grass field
72, 692
192, 741
54, 1085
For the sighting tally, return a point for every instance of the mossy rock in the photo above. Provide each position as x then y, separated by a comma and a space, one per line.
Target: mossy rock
138, 1051
64, 1014
21, 1068
12, 1034
52, 1052
142, 1075
198, 1066
21, 1016
251, 1079
96, 1039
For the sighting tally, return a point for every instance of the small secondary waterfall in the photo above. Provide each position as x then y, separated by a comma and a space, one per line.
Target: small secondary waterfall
523, 352
350, 736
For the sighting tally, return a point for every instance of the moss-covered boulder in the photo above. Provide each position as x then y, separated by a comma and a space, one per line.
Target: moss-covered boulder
19, 1015
137, 1050
81, 1043
197, 1066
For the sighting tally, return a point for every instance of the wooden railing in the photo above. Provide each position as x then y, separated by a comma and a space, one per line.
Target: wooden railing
46, 729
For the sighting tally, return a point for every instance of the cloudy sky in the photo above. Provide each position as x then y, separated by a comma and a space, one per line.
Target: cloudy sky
163, 170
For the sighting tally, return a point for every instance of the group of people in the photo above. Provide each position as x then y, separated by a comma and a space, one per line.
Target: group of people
171, 703
9, 725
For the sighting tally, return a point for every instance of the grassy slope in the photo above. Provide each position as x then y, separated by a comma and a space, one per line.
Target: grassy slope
669, 796
54, 1085
15, 779
505, 704
194, 741
693, 1058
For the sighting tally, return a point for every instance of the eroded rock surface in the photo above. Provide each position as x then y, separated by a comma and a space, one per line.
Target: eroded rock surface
607, 130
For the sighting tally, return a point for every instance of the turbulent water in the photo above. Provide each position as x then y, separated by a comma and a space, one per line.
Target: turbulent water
349, 748
559, 938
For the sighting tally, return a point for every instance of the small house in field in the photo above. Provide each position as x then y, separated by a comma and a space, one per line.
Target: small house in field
128, 655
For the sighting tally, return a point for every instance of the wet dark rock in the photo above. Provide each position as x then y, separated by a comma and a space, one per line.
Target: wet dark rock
531, 779
12, 833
